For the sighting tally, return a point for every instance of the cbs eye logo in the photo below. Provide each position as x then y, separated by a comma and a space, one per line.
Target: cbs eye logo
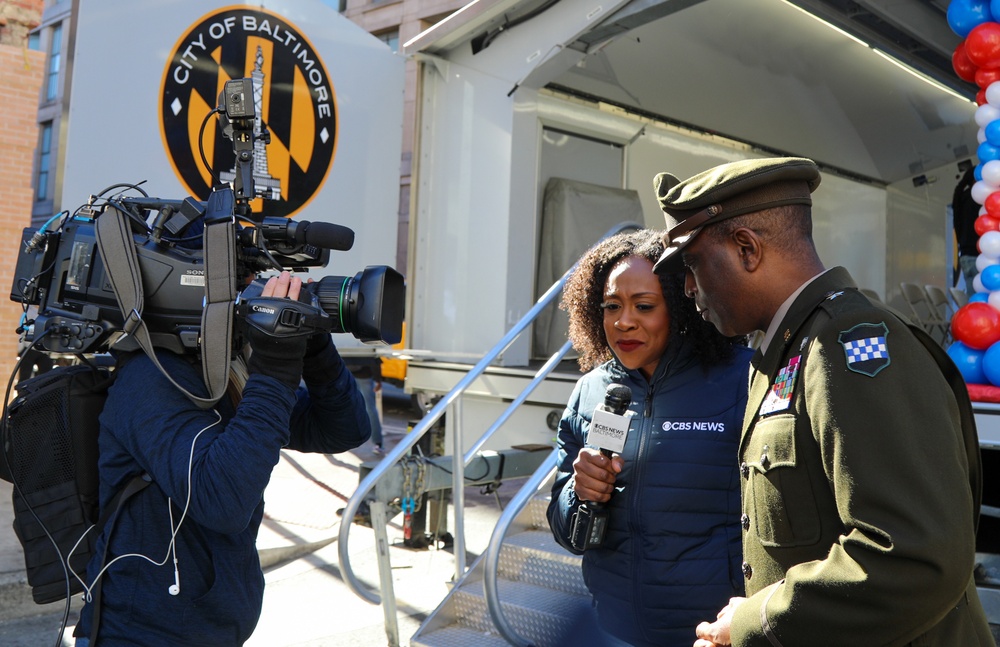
293, 95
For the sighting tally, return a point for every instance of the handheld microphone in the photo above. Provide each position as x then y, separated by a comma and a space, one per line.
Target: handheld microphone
608, 430
609, 426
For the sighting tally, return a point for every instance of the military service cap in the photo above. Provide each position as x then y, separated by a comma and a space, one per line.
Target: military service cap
727, 191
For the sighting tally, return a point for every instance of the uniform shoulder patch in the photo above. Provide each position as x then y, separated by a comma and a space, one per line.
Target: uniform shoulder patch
866, 348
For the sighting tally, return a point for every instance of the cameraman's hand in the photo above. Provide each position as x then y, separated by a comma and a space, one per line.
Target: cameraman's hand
283, 285
594, 475
317, 343
279, 357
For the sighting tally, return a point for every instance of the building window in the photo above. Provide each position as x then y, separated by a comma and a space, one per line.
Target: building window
34, 41
55, 62
44, 162
390, 38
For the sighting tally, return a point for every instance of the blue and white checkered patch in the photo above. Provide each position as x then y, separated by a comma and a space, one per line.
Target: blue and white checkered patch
865, 348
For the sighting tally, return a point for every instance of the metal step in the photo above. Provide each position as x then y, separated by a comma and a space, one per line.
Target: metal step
535, 558
459, 636
540, 586
538, 613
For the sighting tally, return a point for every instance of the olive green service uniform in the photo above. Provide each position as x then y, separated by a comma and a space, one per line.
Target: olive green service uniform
860, 493
858, 514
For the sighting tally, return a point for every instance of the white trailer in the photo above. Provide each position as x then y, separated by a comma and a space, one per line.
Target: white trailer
515, 93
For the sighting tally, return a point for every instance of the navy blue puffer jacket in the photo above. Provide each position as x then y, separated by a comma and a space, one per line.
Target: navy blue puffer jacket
672, 554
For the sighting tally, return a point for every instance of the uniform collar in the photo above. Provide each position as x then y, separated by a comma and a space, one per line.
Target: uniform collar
772, 329
794, 313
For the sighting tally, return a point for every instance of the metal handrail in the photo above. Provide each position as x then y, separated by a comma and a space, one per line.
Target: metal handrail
492, 559
427, 422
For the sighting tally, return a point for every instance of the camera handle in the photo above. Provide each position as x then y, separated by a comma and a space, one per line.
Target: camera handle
117, 248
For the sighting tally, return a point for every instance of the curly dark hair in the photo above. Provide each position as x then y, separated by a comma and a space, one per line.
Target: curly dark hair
584, 293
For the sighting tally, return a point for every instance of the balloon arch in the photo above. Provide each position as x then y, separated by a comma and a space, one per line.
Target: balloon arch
976, 325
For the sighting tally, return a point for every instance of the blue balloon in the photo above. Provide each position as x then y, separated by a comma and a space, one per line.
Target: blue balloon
969, 362
991, 364
990, 276
987, 152
983, 297
992, 132
964, 15
978, 172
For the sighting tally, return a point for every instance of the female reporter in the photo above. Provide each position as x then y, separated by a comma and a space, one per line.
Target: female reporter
672, 552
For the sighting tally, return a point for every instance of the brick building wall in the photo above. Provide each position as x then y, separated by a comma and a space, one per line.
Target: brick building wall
21, 74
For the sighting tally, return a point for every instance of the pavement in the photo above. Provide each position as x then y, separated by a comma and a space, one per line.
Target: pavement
306, 602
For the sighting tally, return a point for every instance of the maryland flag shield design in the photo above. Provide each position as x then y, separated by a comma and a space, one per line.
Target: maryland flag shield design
293, 94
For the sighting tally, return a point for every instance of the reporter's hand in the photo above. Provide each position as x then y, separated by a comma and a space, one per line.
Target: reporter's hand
278, 357
717, 634
594, 475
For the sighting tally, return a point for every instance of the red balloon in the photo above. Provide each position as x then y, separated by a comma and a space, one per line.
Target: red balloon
986, 75
992, 204
977, 325
981, 97
982, 45
964, 68
985, 223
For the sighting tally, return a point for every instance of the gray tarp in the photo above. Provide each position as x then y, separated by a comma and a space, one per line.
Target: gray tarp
575, 215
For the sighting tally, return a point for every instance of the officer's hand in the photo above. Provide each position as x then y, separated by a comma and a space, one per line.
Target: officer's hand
594, 474
278, 357
717, 634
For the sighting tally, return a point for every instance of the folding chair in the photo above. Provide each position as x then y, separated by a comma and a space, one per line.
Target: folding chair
959, 295
923, 312
941, 310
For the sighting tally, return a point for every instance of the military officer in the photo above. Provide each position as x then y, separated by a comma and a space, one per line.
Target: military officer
860, 484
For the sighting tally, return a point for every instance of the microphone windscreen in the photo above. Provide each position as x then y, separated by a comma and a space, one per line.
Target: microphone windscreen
329, 236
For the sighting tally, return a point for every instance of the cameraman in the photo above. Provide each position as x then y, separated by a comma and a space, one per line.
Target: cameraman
208, 470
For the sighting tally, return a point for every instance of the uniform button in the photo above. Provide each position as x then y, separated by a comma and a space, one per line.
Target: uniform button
745, 521
744, 470
747, 570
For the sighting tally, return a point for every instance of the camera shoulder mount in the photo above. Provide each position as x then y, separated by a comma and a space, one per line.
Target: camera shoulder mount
114, 238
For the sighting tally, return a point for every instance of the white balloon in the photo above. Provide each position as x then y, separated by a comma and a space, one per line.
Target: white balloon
993, 94
982, 210
994, 299
981, 133
991, 173
989, 244
977, 284
983, 261
980, 191
985, 114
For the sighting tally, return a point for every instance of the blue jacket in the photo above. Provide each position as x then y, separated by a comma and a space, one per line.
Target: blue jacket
149, 426
671, 557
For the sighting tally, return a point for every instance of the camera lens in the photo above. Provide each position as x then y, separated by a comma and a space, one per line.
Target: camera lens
368, 305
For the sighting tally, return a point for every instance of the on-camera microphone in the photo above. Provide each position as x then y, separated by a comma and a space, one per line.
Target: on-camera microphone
608, 430
325, 235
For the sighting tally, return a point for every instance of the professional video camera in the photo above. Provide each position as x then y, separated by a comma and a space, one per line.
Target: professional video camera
62, 272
